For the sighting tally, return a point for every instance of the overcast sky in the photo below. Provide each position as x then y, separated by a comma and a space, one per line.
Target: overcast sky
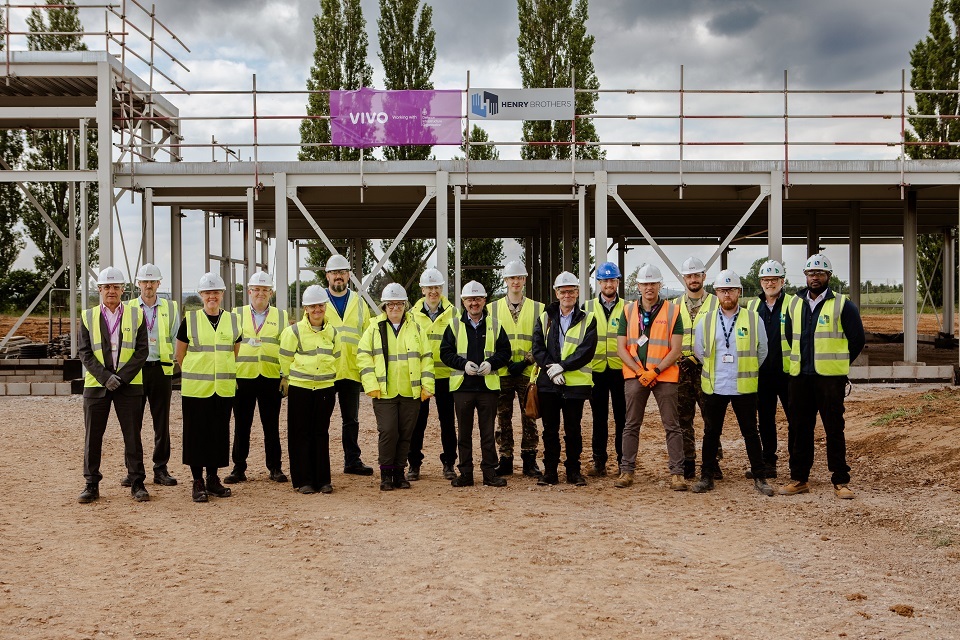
735, 44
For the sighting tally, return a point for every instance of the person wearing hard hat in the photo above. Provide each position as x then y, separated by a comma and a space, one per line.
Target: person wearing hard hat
351, 316
162, 317
516, 314
112, 345
564, 343
396, 367
827, 335
649, 343
258, 378
772, 305
208, 342
607, 308
731, 344
695, 304
475, 347
309, 351
433, 312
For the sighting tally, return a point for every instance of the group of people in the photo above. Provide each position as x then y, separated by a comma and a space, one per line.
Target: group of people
701, 350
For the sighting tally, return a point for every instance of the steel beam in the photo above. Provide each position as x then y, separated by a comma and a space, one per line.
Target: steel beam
653, 243
764, 192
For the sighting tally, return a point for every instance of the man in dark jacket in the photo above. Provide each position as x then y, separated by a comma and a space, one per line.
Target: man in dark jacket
564, 343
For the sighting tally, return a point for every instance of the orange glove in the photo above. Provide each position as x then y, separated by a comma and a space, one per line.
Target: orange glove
425, 395
374, 394
648, 378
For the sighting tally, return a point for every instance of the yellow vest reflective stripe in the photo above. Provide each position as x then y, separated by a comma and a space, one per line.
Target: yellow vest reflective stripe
831, 353
748, 358
606, 356
129, 325
434, 331
489, 348
168, 320
582, 377
690, 324
350, 327
519, 333
265, 359
407, 367
309, 358
754, 305
209, 366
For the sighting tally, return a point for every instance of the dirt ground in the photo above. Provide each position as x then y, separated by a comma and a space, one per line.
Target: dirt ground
523, 562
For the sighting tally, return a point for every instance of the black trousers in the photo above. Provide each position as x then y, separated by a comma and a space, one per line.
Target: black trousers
348, 395
308, 435
714, 411
157, 387
483, 404
448, 426
552, 406
809, 395
265, 393
771, 388
96, 412
608, 383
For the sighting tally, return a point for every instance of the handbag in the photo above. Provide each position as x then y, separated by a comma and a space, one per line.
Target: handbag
532, 407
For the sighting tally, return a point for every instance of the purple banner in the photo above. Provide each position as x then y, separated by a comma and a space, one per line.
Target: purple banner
372, 118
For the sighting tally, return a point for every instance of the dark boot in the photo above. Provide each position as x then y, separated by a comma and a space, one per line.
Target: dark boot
214, 488
90, 493
530, 467
493, 480
386, 478
598, 470
549, 477
574, 477
704, 484
199, 491
689, 469
449, 473
465, 479
505, 468
399, 481
414, 473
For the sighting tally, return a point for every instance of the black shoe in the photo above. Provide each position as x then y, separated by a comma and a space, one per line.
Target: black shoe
576, 478
90, 493
462, 480
127, 481
414, 474
598, 470
277, 475
703, 485
164, 478
386, 482
449, 473
235, 477
530, 467
358, 469
199, 491
327, 488
214, 488
306, 490
689, 469
505, 468
399, 481
548, 477
139, 492
494, 481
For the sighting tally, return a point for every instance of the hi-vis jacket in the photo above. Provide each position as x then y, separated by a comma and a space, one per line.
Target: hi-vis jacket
434, 330
520, 333
309, 357
396, 364
94, 345
260, 350
209, 366
355, 320
709, 305
168, 320
606, 357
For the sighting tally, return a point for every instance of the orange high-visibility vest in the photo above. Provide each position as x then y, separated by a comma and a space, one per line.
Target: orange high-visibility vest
658, 345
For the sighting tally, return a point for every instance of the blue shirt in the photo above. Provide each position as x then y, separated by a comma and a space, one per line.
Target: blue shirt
725, 373
340, 302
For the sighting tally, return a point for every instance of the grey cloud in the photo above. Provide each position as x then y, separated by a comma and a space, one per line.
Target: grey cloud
737, 21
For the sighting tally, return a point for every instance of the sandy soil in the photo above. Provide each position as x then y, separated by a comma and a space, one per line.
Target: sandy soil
524, 561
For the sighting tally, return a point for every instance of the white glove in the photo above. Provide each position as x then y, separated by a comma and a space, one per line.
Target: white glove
554, 370
484, 369
471, 368
559, 379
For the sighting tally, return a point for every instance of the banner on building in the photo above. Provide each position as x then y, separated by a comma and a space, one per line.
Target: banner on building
521, 104
372, 118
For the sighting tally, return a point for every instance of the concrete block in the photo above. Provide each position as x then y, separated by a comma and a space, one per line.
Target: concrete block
51, 362
15, 378
43, 389
3, 388
30, 361
904, 371
904, 363
63, 388
18, 388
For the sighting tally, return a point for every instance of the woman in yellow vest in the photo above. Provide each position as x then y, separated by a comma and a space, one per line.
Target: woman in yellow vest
207, 346
396, 368
309, 354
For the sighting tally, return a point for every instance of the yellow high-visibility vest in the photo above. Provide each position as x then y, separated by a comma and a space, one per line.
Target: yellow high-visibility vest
520, 333
210, 366
489, 348
309, 358
748, 356
407, 366
831, 353
356, 318
582, 377
690, 324
607, 327
261, 357
130, 323
434, 330
754, 305
168, 320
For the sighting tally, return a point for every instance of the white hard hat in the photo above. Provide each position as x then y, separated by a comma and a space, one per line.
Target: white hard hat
261, 279
648, 273
337, 262
692, 265
393, 292
727, 279
772, 269
566, 279
211, 282
431, 278
514, 268
315, 294
473, 289
149, 272
818, 261
111, 275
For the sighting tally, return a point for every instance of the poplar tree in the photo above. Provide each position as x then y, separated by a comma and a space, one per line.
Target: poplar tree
11, 198
553, 42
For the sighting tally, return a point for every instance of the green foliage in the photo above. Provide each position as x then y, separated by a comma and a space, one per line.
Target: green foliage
479, 152
553, 40
18, 288
339, 62
407, 262
478, 252
317, 256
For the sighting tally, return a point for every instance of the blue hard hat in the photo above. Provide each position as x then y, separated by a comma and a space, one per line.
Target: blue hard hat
608, 271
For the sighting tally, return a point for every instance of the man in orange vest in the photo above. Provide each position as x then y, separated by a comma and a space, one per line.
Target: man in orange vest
649, 342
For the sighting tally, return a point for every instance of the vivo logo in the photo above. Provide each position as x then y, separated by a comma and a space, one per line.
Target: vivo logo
369, 118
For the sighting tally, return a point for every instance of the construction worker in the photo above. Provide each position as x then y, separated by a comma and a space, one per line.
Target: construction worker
208, 342
396, 366
564, 343
309, 353
112, 345
475, 347
350, 315
258, 378
694, 305
772, 305
162, 318
516, 314
607, 367
433, 312
732, 344
827, 335
649, 343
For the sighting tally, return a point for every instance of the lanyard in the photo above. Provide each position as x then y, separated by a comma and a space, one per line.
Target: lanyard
151, 322
116, 325
723, 325
253, 317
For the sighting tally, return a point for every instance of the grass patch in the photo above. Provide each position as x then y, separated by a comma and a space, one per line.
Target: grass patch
896, 414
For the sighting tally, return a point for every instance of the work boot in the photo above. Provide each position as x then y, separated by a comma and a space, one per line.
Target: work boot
277, 475
90, 493
358, 469
386, 478
689, 469
761, 485
235, 477
465, 479
842, 491
505, 468
704, 484
199, 491
414, 473
126, 481
449, 473
625, 480
549, 477
598, 470
678, 483
399, 481
215, 488
530, 467
494, 481
139, 492
794, 487
576, 478
162, 477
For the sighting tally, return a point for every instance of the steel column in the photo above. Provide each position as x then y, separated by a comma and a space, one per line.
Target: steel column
148, 234
176, 256
250, 244
584, 244
910, 277
600, 217
105, 162
949, 282
813, 236
567, 240
855, 277
226, 265
281, 271
775, 218
442, 228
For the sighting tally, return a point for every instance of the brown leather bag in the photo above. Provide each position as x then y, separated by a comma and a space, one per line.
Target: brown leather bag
532, 407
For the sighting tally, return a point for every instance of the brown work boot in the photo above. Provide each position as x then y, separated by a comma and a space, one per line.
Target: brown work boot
625, 480
677, 482
794, 487
842, 491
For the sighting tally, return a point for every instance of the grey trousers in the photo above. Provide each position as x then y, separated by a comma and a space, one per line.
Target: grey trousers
396, 419
666, 396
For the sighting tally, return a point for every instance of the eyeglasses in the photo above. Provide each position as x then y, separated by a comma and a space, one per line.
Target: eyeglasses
816, 273
395, 305
111, 287
775, 280
338, 272
725, 291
